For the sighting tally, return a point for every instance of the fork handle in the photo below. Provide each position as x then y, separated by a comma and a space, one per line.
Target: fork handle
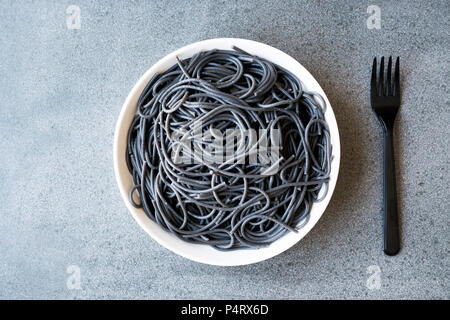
391, 228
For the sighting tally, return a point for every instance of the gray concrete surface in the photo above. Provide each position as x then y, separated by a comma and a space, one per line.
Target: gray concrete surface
61, 91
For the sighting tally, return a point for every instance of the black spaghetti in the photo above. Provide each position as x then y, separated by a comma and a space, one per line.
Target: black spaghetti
228, 204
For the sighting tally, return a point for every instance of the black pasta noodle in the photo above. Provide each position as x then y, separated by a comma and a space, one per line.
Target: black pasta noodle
228, 205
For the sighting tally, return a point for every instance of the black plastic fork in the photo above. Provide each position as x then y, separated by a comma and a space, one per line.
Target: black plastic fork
385, 100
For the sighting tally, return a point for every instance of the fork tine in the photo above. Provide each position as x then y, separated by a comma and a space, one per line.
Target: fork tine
381, 78
397, 78
389, 78
373, 80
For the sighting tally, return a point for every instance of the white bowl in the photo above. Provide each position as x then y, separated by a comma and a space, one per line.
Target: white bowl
199, 252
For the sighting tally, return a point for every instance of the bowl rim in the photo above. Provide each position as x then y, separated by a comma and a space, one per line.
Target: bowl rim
200, 252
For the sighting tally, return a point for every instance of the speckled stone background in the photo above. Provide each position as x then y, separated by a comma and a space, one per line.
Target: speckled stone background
61, 91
